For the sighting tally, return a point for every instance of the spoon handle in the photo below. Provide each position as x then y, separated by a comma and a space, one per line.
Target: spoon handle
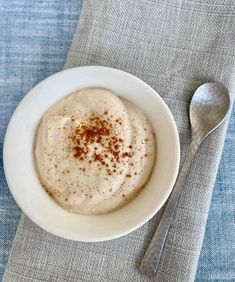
150, 261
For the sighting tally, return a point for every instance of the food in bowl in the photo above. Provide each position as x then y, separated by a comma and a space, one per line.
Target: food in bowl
94, 151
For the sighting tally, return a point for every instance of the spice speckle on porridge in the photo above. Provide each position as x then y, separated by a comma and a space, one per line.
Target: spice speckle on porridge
94, 151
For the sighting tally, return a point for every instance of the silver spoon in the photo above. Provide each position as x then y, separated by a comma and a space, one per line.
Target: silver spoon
208, 108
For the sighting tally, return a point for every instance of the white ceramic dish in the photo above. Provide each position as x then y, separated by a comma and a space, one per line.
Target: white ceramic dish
19, 158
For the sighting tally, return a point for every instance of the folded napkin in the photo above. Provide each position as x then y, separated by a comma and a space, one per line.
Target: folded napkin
174, 46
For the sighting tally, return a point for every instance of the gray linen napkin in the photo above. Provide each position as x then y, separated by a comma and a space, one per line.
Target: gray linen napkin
174, 46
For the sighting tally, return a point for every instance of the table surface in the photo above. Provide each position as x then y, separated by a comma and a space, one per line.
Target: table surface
35, 39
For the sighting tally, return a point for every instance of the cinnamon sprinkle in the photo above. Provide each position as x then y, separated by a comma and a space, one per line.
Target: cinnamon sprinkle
98, 132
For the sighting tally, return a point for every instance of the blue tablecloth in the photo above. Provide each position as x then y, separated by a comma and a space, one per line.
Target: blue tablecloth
34, 40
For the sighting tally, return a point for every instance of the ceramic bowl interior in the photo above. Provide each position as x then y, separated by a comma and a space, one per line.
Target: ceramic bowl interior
19, 158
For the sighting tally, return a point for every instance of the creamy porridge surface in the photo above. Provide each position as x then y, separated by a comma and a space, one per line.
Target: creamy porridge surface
94, 151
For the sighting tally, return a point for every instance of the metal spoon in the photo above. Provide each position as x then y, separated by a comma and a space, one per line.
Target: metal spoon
208, 108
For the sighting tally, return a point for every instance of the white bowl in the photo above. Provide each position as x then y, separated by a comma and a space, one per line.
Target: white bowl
19, 161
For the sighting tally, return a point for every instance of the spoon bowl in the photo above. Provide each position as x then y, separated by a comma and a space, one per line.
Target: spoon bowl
208, 108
